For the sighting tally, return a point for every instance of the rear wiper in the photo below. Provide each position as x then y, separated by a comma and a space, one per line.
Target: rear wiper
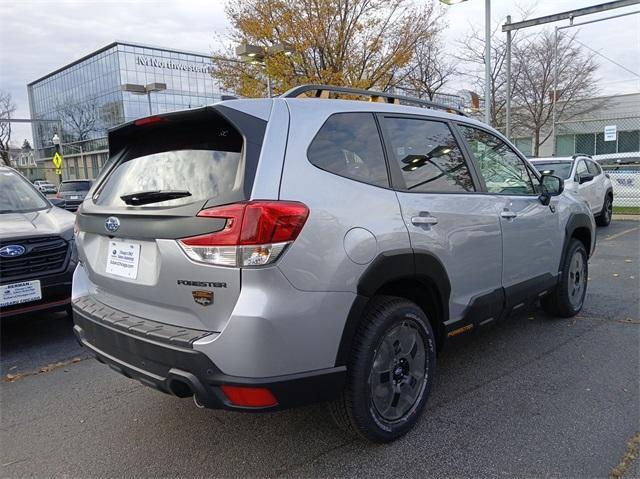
147, 197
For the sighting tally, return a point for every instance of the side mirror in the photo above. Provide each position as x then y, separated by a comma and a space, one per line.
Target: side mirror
59, 202
550, 185
585, 177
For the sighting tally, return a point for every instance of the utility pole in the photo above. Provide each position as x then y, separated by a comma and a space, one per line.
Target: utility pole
507, 132
487, 62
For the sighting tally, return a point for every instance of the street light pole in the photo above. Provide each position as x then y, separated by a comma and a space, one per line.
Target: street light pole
487, 56
257, 55
144, 90
269, 88
487, 62
507, 132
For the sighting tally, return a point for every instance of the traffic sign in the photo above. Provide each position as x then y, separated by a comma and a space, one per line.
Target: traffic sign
58, 171
57, 160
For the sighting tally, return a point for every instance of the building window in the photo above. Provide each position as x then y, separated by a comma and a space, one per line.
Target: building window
586, 144
565, 145
604, 147
94, 166
525, 145
628, 141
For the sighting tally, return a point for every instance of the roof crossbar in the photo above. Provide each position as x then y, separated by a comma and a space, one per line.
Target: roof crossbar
323, 91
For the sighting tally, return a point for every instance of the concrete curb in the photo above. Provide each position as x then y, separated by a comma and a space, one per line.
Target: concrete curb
626, 217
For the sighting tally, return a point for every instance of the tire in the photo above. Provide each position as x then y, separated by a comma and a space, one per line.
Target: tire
567, 298
604, 218
406, 371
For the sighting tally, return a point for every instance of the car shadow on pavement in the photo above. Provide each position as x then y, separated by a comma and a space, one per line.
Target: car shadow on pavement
32, 342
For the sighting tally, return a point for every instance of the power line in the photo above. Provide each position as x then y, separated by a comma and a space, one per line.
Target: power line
607, 58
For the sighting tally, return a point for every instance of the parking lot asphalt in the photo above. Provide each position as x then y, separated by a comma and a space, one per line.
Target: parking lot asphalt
533, 396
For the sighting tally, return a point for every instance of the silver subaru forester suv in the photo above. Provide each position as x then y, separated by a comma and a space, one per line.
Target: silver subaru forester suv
267, 253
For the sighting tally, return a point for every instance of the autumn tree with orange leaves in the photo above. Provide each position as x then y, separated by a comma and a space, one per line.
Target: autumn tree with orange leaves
356, 43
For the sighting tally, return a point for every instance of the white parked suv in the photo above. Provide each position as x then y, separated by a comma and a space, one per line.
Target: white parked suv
583, 176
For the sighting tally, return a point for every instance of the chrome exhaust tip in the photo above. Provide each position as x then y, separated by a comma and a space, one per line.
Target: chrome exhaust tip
198, 404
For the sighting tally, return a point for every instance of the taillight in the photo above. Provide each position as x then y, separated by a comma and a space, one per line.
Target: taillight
149, 120
255, 233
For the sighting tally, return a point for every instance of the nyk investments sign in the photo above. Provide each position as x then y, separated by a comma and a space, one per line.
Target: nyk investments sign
171, 65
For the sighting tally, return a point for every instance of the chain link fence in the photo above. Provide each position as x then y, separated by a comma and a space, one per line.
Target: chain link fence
611, 136
626, 187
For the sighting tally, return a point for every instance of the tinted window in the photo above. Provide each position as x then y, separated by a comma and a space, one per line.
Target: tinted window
428, 155
593, 168
17, 195
75, 186
560, 168
348, 144
502, 169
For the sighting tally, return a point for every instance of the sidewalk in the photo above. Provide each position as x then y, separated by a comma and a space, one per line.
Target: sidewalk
626, 217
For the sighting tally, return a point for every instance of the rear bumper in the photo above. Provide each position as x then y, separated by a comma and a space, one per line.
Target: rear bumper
177, 369
72, 205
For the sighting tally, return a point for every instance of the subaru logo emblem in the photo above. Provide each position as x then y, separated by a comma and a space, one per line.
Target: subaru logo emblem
12, 251
112, 224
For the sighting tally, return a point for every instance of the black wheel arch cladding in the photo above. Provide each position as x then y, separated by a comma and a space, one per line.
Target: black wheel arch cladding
395, 267
578, 226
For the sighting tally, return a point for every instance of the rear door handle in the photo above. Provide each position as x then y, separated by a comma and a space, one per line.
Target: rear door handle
424, 220
508, 214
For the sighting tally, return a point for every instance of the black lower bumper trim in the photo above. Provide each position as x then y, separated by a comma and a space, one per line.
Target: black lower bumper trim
56, 294
186, 372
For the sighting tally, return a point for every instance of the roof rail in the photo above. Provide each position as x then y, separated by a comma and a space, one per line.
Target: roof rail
581, 155
323, 91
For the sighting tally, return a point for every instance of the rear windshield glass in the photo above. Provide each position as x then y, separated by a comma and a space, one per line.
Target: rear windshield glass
75, 186
201, 162
558, 168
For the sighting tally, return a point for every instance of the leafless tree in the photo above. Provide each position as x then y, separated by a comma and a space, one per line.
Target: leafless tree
7, 108
472, 57
533, 91
78, 119
429, 70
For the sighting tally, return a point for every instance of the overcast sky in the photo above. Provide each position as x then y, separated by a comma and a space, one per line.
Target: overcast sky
39, 36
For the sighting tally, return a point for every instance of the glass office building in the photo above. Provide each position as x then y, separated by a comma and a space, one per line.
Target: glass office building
85, 97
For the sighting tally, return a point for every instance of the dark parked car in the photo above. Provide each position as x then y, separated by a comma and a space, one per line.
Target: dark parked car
73, 193
37, 250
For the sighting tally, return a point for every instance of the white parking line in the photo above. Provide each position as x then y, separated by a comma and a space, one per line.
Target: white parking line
617, 235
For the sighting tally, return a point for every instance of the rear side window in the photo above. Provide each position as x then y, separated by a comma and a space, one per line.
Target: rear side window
348, 144
581, 169
428, 155
75, 186
594, 169
200, 161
